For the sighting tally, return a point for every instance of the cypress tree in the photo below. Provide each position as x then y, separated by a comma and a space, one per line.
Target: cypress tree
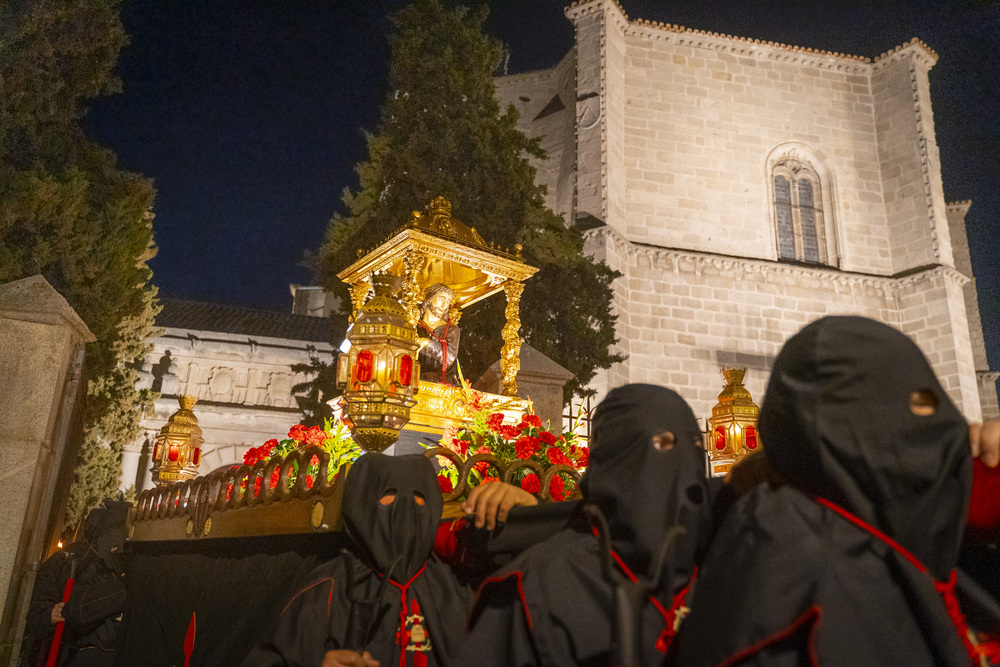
442, 132
68, 212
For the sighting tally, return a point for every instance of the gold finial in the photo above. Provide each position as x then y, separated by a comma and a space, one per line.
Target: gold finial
517, 250
733, 376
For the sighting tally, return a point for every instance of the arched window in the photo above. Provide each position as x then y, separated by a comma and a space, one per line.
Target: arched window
798, 212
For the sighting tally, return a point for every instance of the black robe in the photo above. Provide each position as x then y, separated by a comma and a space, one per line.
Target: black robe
827, 569
552, 605
396, 537
93, 611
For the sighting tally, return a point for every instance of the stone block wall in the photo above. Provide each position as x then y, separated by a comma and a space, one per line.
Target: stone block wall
911, 167
546, 103
684, 315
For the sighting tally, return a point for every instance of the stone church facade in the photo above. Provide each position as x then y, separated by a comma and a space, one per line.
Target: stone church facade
744, 189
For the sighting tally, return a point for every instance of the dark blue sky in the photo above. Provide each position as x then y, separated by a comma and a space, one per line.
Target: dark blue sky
249, 115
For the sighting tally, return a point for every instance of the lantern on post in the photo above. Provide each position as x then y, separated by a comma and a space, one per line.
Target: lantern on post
379, 373
177, 450
732, 432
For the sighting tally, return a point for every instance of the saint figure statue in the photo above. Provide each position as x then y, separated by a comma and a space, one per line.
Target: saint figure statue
438, 336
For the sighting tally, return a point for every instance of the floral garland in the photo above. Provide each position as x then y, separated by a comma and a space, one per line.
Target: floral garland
525, 440
333, 436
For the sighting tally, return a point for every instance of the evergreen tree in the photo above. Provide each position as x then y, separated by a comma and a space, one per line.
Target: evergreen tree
442, 132
67, 212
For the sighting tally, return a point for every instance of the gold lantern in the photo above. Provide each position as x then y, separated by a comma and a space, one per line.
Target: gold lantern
177, 451
379, 373
732, 432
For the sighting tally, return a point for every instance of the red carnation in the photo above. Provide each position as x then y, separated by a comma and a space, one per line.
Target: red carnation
482, 466
532, 420
557, 488
508, 432
487, 480
251, 456
445, 483
557, 457
526, 446
297, 432
494, 421
584, 459
269, 446
309, 481
547, 437
531, 484
314, 435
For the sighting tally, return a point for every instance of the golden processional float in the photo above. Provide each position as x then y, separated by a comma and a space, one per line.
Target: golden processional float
384, 391
432, 249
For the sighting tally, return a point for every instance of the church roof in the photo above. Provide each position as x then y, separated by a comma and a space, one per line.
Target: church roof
220, 318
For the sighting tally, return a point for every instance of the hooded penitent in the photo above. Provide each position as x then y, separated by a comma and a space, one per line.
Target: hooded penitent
416, 615
848, 563
551, 605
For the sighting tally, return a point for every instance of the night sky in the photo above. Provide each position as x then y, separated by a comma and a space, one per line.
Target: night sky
249, 115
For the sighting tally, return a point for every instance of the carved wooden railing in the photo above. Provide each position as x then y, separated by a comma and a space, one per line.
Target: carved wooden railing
231, 503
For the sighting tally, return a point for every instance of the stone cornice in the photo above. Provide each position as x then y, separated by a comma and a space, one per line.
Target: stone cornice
914, 49
959, 207
510, 80
748, 47
689, 261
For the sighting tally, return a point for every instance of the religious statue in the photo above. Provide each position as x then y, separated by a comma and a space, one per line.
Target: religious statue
438, 336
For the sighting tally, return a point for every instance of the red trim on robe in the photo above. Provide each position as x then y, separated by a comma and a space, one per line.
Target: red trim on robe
813, 613
520, 591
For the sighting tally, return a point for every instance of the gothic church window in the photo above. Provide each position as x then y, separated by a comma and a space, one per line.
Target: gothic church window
799, 212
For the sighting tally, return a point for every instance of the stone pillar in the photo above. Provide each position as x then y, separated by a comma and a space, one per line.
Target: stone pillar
41, 361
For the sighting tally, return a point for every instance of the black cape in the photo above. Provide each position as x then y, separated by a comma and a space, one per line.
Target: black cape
551, 605
397, 537
796, 574
93, 611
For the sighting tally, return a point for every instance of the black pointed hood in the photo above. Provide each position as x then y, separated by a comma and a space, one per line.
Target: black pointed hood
643, 491
837, 423
403, 528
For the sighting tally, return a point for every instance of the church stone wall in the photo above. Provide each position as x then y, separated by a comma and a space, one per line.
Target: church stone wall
684, 315
677, 132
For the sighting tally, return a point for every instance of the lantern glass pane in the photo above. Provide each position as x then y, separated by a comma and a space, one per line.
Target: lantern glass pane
750, 437
366, 365
406, 370
720, 438
197, 456
172, 452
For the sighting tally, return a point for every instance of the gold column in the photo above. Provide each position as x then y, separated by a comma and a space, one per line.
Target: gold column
510, 360
359, 291
413, 261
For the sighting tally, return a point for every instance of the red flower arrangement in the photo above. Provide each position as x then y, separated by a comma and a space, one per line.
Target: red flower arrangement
334, 437
526, 440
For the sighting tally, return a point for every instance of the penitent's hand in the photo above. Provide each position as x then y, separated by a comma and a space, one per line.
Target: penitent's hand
985, 440
56, 615
344, 658
492, 501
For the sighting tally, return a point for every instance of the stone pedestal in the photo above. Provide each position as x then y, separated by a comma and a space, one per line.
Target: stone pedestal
539, 379
41, 361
